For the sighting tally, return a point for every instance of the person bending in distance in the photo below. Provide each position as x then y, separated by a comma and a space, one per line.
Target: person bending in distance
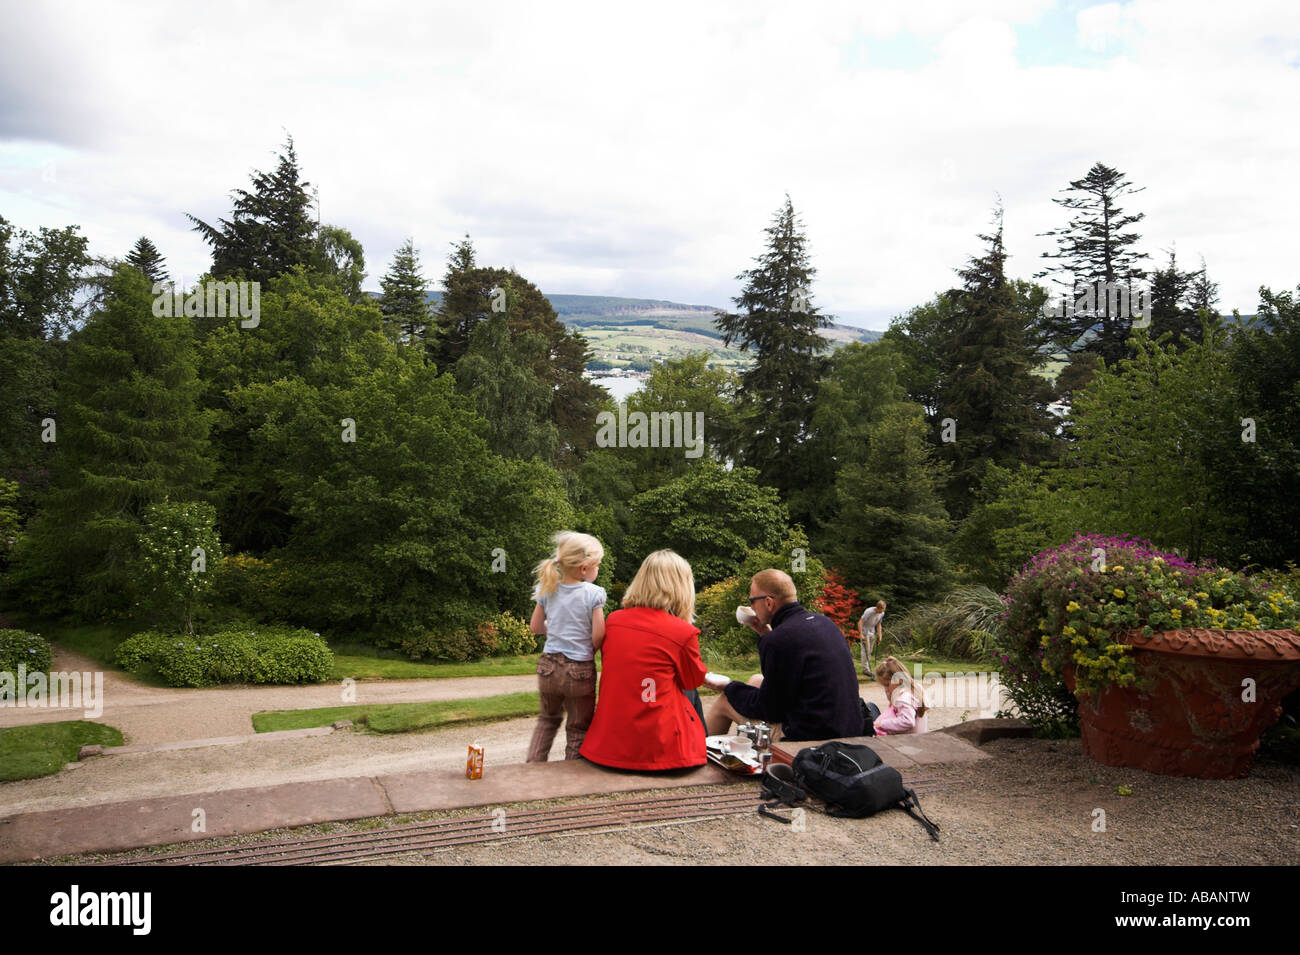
809, 684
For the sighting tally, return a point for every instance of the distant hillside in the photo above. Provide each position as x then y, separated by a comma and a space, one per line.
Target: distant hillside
631, 333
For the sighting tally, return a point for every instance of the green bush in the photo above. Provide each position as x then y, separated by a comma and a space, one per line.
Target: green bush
515, 635
19, 646
715, 615
715, 606
500, 635
268, 655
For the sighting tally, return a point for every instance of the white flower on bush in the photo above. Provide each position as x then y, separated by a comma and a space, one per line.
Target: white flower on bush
167, 540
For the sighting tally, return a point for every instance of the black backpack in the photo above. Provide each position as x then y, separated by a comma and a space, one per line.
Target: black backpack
854, 782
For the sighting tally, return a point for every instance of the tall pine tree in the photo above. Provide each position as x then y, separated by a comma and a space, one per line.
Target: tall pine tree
778, 321
998, 404
1093, 251
405, 299
465, 303
144, 255
271, 229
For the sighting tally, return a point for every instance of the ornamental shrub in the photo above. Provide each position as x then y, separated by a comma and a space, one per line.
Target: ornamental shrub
19, 646
274, 654
179, 555
499, 635
841, 605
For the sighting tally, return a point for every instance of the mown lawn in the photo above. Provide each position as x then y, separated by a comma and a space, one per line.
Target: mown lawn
42, 749
405, 717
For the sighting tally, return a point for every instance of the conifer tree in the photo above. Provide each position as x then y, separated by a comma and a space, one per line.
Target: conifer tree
1171, 308
778, 321
129, 433
405, 299
997, 403
889, 533
144, 255
1204, 294
271, 229
1094, 250
497, 374
465, 303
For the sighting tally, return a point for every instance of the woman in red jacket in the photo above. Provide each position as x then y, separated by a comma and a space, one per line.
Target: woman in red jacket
650, 658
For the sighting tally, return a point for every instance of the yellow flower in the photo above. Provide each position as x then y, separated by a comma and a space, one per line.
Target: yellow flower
1072, 605
1190, 603
1202, 595
1176, 614
1117, 568
1068, 630
1118, 593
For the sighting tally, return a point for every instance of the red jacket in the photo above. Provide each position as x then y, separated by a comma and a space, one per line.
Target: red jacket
643, 719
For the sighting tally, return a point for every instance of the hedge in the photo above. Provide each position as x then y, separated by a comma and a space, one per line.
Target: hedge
19, 646
266, 655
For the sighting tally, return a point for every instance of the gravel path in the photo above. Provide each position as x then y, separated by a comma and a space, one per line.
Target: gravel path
149, 714
1033, 804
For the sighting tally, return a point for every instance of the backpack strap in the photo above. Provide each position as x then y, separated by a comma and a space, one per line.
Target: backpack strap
906, 805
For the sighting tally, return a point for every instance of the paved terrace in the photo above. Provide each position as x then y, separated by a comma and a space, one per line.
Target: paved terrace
132, 824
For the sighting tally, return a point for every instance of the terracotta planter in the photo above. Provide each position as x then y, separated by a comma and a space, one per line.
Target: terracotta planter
1190, 719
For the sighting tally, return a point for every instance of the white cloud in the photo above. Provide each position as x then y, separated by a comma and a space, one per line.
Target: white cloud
613, 150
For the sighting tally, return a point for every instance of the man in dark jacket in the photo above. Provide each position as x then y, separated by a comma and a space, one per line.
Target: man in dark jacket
809, 684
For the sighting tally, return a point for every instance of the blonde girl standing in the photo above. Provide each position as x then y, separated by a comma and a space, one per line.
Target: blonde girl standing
570, 612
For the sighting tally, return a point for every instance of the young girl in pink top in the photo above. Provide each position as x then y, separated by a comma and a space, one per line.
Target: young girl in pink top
906, 712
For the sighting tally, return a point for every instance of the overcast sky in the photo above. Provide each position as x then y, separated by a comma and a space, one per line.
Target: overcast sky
605, 150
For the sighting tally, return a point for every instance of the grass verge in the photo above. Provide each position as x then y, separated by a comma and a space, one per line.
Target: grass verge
42, 749
405, 717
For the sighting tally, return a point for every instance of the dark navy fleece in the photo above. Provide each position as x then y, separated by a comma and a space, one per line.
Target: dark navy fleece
810, 685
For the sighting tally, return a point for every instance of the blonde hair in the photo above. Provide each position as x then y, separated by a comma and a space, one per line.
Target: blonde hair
664, 582
892, 672
572, 550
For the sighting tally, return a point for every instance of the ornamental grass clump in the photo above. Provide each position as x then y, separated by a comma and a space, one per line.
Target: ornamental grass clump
1070, 606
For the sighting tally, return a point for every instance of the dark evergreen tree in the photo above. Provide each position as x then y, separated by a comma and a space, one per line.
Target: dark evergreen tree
1172, 311
1203, 296
778, 321
405, 299
129, 433
996, 401
144, 255
271, 229
970, 359
1257, 474
497, 373
1094, 250
889, 533
470, 292
466, 301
